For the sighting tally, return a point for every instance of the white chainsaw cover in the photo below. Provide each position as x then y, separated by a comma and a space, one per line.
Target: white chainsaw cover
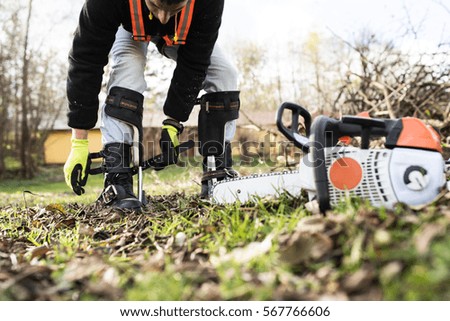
384, 176
417, 175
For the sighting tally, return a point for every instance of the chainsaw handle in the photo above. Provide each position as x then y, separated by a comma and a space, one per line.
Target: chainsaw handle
96, 170
154, 162
157, 162
292, 133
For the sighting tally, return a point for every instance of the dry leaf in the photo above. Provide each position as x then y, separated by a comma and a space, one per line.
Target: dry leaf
359, 280
39, 252
79, 269
245, 254
305, 247
55, 208
426, 236
311, 224
390, 271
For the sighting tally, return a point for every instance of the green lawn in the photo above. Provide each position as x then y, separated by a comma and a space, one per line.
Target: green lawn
49, 185
58, 246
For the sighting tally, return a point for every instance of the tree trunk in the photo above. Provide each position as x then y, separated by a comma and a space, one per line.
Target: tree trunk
27, 162
3, 114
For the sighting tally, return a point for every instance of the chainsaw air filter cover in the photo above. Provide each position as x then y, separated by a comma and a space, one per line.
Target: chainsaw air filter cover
382, 176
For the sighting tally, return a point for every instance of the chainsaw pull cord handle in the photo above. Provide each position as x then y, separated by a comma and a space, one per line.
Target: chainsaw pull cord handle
292, 133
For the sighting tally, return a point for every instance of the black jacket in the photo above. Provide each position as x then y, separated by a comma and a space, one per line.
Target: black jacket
94, 37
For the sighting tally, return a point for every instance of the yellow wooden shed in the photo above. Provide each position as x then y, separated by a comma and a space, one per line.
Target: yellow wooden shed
57, 145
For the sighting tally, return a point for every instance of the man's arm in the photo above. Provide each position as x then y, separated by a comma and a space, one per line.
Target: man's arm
93, 39
79, 133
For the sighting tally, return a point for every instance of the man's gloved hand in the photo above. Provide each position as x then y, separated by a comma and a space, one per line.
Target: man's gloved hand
76, 166
169, 142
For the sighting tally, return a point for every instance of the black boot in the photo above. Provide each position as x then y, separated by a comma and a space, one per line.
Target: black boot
227, 161
118, 185
224, 170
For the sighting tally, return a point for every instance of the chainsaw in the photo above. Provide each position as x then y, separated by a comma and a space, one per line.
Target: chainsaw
338, 162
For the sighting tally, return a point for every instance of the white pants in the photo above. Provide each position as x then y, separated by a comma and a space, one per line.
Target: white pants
128, 59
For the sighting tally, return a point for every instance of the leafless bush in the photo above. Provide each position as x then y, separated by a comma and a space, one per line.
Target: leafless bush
32, 91
390, 83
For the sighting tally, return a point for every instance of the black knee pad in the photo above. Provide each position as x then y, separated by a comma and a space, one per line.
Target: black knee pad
127, 105
216, 110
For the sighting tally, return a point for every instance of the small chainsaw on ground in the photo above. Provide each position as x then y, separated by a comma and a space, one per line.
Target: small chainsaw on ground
408, 169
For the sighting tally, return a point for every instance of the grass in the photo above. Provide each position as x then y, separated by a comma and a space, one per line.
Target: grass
61, 247
49, 184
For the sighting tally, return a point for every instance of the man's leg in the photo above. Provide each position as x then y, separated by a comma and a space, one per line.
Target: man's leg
128, 58
221, 76
125, 88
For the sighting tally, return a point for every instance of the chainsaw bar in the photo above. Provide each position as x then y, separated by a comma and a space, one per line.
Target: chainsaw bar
246, 188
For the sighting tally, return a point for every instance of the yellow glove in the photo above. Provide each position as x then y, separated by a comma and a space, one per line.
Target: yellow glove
169, 143
76, 166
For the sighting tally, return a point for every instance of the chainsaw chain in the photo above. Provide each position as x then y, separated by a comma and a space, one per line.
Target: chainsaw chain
243, 178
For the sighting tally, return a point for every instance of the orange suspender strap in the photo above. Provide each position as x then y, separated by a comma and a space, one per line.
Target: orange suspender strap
169, 42
137, 21
185, 23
